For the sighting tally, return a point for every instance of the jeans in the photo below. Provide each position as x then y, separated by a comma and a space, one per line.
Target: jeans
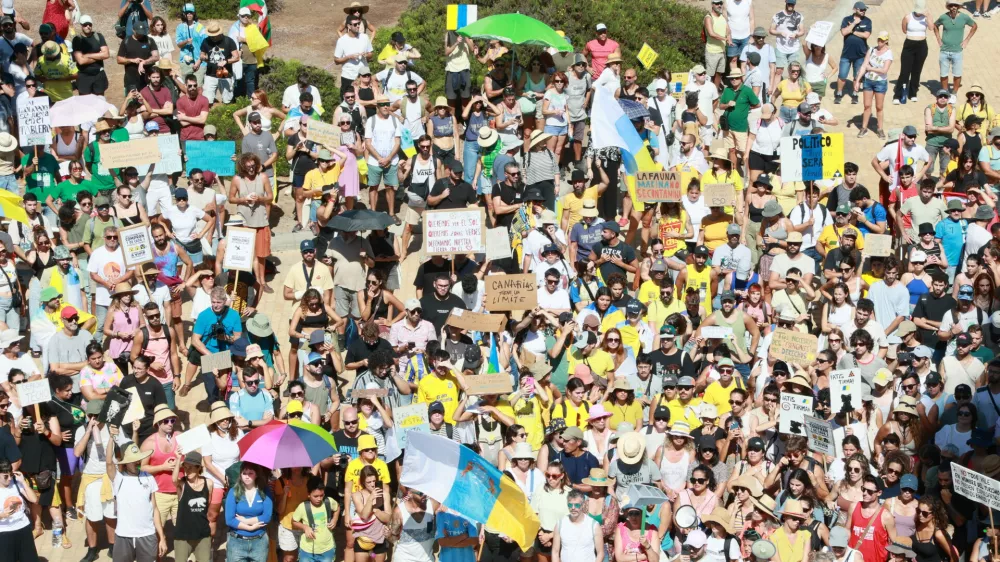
248, 83
818, 259
787, 114
168, 391
937, 154
9, 183
950, 63
246, 550
911, 62
101, 312
846, 65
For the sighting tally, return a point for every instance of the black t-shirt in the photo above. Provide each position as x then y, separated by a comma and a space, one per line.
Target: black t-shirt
461, 195
428, 271
301, 163
359, 349
436, 311
9, 450
962, 185
933, 308
70, 416
837, 255
89, 46
620, 250
150, 394
218, 51
345, 446
700, 431
623, 301
132, 48
664, 364
509, 196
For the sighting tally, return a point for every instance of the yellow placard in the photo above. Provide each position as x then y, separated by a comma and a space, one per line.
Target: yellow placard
647, 55
678, 81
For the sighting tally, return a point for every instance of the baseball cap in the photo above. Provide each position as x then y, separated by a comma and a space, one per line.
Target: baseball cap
180, 193
661, 413
658, 264
696, 539
211, 130
727, 295
963, 339
922, 352
860, 6
84, 20
733, 230
685, 381
838, 535
412, 304
805, 108
698, 69
612, 226
700, 251
933, 379
909, 481
68, 312
755, 444
318, 337
435, 406
572, 433
307, 245
906, 327
633, 308
254, 117
244, 11
294, 407
601, 27
141, 27
314, 357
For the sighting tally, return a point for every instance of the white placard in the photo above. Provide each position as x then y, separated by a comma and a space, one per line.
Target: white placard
819, 33
455, 231
845, 384
820, 435
793, 409
241, 245
34, 392
193, 439
33, 124
977, 487
136, 245
498, 243
716, 332
170, 160
135, 408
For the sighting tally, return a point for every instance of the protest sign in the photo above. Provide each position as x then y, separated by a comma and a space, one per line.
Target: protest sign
678, 81
368, 392
718, 194
647, 56
136, 245
410, 418
241, 244
793, 346
216, 361
454, 231
135, 410
716, 332
33, 125
975, 486
214, 156
34, 392
791, 415
130, 153
820, 435
498, 243
819, 33
511, 292
324, 133
116, 405
498, 383
812, 157
657, 187
845, 390
475, 321
878, 245
194, 439
170, 158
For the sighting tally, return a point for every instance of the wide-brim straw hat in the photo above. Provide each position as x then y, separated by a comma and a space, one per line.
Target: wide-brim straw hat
765, 504
220, 412
132, 453
598, 477
631, 447
356, 6
122, 289
792, 508
720, 516
7, 142
538, 137
615, 56
522, 451
487, 137
720, 153
162, 412
750, 483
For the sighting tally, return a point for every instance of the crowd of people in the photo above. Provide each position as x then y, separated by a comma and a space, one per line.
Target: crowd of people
643, 421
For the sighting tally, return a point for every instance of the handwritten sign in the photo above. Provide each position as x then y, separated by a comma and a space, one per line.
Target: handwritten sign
130, 153
34, 127
454, 231
241, 244
498, 383
170, 158
647, 56
136, 245
678, 81
194, 439
657, 187
324, 133
975, 486
410, 418
498, 243
511, 292
878, 245
216, 361
819, 33
845, 390
812, 157
358, 393
719, 194
716, 332
820, 435
791, 416
135, 410
215, 156
475, 321
793, 346
34, 392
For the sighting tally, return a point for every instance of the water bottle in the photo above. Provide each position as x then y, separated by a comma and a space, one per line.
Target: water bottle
73, 288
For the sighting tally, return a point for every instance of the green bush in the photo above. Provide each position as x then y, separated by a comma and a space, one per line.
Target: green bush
217, 9
672, 29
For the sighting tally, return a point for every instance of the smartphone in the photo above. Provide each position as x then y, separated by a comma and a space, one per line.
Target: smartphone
411, 345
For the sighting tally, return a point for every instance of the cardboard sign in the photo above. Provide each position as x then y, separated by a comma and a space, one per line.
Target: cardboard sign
215, 156
454, 231
794, 408
135, 410
819, 33
241, 245
657, 187
410, 418
170, 158
137, 247
34, 128
358, 393
216, 361
719, 194
130, 153
845, 390
647, 56
497, 383
116, 405
812, 157
458, 16
324, 133
475, 321
678, 81
35, 392
878, 245
511, 292
975, 486
194, 439
793, 346
716, 332
820, 435
498, 243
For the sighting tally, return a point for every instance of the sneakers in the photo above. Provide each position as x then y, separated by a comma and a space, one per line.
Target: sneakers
975, 14
913, 99
896, 101
837, 98
986, 15
862, 133
881, 134
854, 99
72, 515
953, 100
111, 550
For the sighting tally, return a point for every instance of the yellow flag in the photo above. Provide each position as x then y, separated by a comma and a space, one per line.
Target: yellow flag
14, 210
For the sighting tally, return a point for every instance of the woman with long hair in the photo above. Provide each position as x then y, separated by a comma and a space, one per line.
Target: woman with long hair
128, 195
508, 122
250, 191
367, 90
311, 315
772, 238
966, 177
57, 15
19, 68
39, 258
838, 310
164, 42
554, 109
523, 471
122, 324
549, 502
601, 506
817, 63
613, 345
835, 342
917, 280
16, 537
444, 133
633, 543
192, 530
874, 74
620, 399
598, 433
673, 228
760, 193
791, 539
905, 423
931, 542
221, 453
531, 83
792, 91
258, 104
379, 304
722, 170
369, 515
847, 491
744, 487
514, 434
985, 293
912, 58
757, 308
476, 115
674, 458
850, 277
249, 509
700, 493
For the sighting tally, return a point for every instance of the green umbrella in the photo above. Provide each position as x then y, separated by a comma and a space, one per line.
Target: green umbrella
517, 29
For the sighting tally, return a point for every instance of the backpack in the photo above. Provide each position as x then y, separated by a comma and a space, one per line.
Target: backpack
388, 75
132, 11
980, 319
371, 122
823, 212
565, 410
145, 338
309, 512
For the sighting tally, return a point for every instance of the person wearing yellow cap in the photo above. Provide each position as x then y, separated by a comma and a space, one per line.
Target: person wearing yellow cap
367, 456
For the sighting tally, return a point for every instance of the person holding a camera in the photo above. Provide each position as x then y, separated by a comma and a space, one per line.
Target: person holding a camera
215, 329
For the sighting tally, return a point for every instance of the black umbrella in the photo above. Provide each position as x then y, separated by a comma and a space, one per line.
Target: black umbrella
360, 219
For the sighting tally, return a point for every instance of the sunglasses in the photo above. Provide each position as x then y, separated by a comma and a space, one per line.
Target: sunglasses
574, 505
699, 480
735, 402
965, 414
252, 383
111, 238
869, 491
855, 469
557, 475
152, 316
893, 471
297, 394
346, 422
170, 421
925, 512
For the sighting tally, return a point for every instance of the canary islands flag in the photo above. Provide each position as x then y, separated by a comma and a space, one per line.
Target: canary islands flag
494, 364
469, 485
611, 127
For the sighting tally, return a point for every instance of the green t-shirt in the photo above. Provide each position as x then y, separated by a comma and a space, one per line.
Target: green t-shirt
94, 235
560, 367
120, 135
100, 176
324, 538
75, 234
43, 181
67, 190
953, 31
737, 115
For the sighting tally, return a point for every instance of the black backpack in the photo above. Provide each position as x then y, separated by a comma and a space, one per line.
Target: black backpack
134, 9
145, 339
309, 512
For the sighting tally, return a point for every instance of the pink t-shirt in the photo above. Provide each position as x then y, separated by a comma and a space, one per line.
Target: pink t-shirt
192, 108
599, 54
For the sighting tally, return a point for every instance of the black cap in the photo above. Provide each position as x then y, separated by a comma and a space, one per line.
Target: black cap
755, 444
397, 37
578, 175
455, 166
473, 357
435, 407
780, 366
700, 251
706, 442
661, 413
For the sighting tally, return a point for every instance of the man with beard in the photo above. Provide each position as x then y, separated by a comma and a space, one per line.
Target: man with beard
107, 268
729, 317
90, 51
793, 257
891, 299
142, 539
307, 274
657, 311
585, 234
834, 237
987, 398
612, 255
155, 342
732, 262
438, 304
696, 279
962, 367
864, 320
929, 313
574, 202
158, 98
137, 52
66, 352
382, 374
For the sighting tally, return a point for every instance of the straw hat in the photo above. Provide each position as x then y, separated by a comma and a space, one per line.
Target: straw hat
522, 451
219, 412
598, 477
631, 447
680, 429
101, 126
356, 6
991, 465
123, 288
719, 516
622, 384
538, 137
7, 142
9, 337
750, 483
166, 64
112, 114
615, 56
792, 508
719, 152
441, 101
487, 137
132, 453
800, 380
905, 409
213, 30
149, 268
765, 504
162, 412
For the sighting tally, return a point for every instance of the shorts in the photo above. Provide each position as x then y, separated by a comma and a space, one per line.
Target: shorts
93, 508
380, 548
346, 302
579, 129
376, 174
412, 215
69, 464
767, 163
782, 60
877, 86
298, 180
444, 155
288, 540
194, 357
556, 131
327, 556
92, 84
128, 549
819, 88
846, 65
715, 63
707, 134
159, 199
950, 63
457, 85
737, 47
166, 504
736, 139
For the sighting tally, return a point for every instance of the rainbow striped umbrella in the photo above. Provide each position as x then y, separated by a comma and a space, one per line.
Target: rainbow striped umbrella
279, 444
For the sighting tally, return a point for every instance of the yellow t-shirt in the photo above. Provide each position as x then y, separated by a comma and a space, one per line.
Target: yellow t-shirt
531, 415
433, 388
56, 318
573, 205
316, 179
599, 361
299, 495
649, 291
354, 467
657, 312
792, 98
574, 415
718, 396
672, 226
733, 178
324, 537
829, 239
687, 412
631, 414
785, 194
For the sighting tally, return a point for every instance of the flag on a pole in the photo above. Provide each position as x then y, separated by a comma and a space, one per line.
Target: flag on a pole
263, 23
611, 127
494, 363
461, 15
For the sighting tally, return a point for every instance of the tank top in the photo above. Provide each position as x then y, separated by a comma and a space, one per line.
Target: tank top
367, 94
166, 261
756, 213
192, 514
700, 281
854, 289
738, 342
674, 474
926, 551
413, 114
423, 174
906, 525
713, 45
498, 84
158, 347
472, 126
67, 148
973, 144
777, 231
416, 538
134, 218
318, 320
135, 127
578, 539
916, 28
630, 545
532, 86
380, 308
875, 541
319, 395
123, 322
443, 126
39, 265
255, 215
164, 480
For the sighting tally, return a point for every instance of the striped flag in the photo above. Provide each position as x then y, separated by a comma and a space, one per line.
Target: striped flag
461, 15
264, 23
494, 364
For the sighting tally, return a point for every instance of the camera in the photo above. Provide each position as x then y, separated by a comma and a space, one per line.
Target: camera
218, 331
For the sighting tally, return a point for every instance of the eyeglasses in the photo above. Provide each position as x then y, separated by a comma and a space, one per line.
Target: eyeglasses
513, 174
558, 81
740, 490
425, 147
155, 316
128, 195
179, 199
766, 399
910, 136
909, 386
73, 319
834, 340
925, 512
893, 471
382, 105
613, 340
5, 405
26, 85
553, 282
300, 393
854, 469
726, 371
550, 475
295, 415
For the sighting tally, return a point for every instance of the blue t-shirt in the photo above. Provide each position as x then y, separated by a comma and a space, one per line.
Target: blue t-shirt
952, 236
991, 155
578, 468
135, 14
251, 406
854, 46
451, 525
875, 214
585, 237
203, 326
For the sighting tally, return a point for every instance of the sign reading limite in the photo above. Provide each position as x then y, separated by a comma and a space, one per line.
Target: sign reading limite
511, 292
454, 231
658, 187
136, 245
33, 124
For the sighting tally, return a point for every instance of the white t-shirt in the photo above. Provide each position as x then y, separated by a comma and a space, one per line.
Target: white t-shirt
707, 94
878, 62
782, 263
135, 504
911, 156
767, 58
553, 301
24, 362
106, 265
395, 87
739, 18
608, 80
96, 455
383, 132
821, 218
183, 222
975, 238
715, 546
19, 519
290, 97
347, 45
224, 453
